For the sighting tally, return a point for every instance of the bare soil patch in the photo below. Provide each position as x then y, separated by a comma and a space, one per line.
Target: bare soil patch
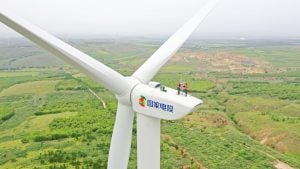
282, 165
223, 61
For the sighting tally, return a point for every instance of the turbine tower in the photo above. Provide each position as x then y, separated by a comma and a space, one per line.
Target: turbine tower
134, 94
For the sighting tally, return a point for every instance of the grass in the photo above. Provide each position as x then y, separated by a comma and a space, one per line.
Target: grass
278, 90
41, 123
17, 74
195, 85
10, 78
88, 82
70, 84
237, 104
6, 113
276, 131
38, 87
221, 145
271, 121
279, 56
9, 81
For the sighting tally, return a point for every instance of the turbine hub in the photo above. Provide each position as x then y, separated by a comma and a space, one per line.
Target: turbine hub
126, 98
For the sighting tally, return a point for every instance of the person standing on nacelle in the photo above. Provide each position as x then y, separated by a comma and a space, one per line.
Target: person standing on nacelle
178, 88
185, 88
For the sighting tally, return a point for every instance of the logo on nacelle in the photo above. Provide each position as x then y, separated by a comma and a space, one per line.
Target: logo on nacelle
155, 104
142, 101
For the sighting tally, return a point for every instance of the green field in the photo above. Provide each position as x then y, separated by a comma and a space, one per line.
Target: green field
52, 116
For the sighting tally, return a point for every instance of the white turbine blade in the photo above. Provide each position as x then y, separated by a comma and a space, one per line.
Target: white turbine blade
148, 142
121, 139
96, 70
148, 70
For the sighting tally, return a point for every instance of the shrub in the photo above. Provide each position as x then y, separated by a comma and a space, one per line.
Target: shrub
24, 140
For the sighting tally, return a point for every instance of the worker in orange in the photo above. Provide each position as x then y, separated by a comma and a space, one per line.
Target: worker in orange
185, 88
178, 88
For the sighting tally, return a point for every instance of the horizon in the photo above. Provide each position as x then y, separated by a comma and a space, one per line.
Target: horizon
155, 38
231, 19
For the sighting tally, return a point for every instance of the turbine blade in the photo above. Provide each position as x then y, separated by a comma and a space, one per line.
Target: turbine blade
148, 70
88, 65
121, 139
148, 142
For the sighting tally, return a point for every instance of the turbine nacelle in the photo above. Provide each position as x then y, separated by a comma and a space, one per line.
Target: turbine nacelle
161, 102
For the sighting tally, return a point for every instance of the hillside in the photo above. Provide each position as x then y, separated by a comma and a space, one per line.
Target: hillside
52, 116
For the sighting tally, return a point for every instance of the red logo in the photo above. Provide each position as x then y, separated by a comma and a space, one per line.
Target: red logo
142, 101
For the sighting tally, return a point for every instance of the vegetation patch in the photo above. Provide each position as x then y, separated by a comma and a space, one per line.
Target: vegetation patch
69, 84
90, 83
63, 160
278, 90
6, 113
251, 90
195, 85
39, 113
270, 128
37, 87
281, 56
9, 81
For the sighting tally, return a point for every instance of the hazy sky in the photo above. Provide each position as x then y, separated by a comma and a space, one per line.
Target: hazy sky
230, 19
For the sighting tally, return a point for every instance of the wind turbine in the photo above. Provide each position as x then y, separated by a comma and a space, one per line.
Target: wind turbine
134, 94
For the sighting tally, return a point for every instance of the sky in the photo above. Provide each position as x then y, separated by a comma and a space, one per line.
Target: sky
155, 18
